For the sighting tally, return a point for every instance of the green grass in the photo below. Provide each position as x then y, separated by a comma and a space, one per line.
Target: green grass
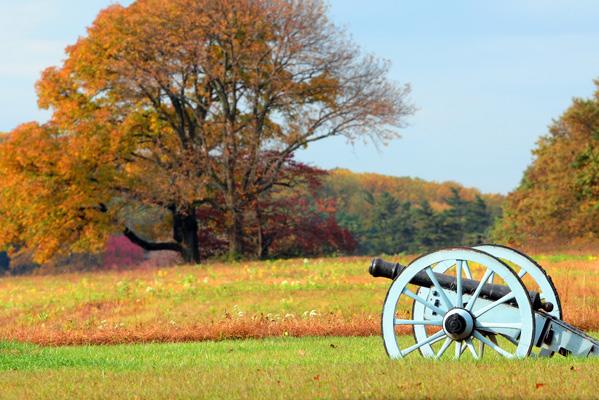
555, 258
279, 368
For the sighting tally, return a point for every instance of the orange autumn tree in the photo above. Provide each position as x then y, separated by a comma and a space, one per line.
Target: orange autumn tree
52, 191
557, 201
184, 103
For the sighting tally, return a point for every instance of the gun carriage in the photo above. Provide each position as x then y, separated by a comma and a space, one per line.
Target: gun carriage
513, 307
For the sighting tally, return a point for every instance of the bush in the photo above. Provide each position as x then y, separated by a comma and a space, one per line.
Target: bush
121, 252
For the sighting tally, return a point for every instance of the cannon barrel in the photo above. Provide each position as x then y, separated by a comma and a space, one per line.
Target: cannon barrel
389, 270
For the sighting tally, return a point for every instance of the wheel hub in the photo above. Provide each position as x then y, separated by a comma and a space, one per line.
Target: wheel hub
458, 324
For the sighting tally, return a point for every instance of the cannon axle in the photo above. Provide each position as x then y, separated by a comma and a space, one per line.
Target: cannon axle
389, 270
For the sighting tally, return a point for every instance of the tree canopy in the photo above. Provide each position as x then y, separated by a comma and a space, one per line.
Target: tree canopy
558, 199
181, 104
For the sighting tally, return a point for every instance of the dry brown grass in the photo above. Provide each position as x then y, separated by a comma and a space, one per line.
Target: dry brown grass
317, 297
577, 282
227, 329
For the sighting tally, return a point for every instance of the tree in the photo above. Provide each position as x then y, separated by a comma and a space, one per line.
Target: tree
436, 229
467, 221
300, 225
477, 221
187, 103
426, 227
454, 218
389, 227
4, 262
291, 220
557, 201
295, 220
51, 193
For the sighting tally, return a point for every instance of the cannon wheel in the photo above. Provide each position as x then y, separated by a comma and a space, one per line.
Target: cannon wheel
458, 257
527, 266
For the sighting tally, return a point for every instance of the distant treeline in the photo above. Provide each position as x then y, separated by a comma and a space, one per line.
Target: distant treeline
393, 215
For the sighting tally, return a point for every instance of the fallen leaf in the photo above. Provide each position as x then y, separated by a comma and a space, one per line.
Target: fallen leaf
539, 385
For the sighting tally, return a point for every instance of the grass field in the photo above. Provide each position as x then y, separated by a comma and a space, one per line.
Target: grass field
286, 368
329, 296
318, 320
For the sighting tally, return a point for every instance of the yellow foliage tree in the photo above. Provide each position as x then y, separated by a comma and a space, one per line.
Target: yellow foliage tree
557, 201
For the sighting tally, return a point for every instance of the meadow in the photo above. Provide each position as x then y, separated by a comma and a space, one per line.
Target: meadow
299, 297
306, 328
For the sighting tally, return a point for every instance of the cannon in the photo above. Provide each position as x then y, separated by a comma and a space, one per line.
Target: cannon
473, 298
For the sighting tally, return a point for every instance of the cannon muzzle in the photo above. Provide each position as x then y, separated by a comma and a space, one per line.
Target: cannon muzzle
385, 269
490, 291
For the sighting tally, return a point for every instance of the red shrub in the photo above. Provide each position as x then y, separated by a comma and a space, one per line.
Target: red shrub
121, 252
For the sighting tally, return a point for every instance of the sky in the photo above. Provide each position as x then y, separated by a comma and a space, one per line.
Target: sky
487, 77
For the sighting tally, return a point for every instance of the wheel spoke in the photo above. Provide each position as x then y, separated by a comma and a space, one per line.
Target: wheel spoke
481, 348
444, 347
463, 349
472, 349
500, 325
488, 274
492, 345
458, 349
459, 302
496, 303
467, 270
441, 291
422, 301
414, 322
429, 340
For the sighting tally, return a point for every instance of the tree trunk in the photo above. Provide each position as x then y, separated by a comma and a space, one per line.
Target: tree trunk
185, 235
260, 232
265, 249
4, 262
185, 232
235, 233
259, 242
263, 241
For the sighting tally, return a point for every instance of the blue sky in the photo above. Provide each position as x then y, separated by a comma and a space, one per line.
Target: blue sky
487, 77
